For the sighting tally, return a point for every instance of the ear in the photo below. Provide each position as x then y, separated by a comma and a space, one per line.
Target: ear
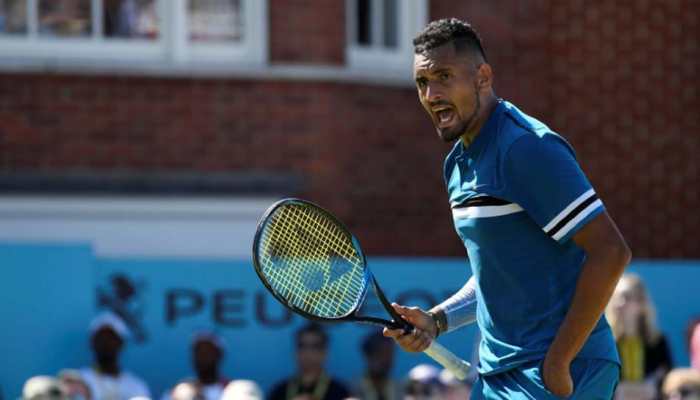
484, 76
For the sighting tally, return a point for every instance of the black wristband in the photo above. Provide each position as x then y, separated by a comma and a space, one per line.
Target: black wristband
440, 321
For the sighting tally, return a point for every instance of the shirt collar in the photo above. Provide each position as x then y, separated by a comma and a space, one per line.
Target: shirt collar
487, 130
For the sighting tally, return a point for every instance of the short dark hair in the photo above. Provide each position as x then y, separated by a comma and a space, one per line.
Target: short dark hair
443, 31
315, 329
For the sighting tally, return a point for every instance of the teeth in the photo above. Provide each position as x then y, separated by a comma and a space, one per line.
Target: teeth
444, 115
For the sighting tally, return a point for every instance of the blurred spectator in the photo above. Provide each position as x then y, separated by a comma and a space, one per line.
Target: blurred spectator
311, 380
43, 387
644, 352
423, 383
207, 353
694, 343
106, 379
376, 384
74, 384
453, 388
682, 384
242, 389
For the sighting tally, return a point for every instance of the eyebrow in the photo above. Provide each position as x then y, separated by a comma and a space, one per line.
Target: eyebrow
437, 71
428, 71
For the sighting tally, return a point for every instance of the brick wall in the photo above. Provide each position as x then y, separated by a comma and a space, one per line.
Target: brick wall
307, 31
619, 80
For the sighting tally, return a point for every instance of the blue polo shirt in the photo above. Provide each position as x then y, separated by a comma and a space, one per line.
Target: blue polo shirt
518, 196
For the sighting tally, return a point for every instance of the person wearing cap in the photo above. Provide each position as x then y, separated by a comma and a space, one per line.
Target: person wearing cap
424, 383
43, 387
106, 378
453, 387
376, 383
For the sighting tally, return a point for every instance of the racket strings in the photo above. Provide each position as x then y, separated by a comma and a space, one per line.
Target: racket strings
312, 262
307, 243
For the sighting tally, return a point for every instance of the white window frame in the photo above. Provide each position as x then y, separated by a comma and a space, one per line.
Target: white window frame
172, 48
377, 59
144, 226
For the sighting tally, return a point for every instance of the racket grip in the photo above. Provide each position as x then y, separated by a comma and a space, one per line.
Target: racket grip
447, 359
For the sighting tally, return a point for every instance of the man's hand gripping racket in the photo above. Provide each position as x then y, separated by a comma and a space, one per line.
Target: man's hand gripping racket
314, 266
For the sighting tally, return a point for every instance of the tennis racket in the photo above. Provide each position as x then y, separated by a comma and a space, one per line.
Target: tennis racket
314, 266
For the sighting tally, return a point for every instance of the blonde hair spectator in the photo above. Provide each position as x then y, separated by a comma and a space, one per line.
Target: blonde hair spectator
643, 349
631, 300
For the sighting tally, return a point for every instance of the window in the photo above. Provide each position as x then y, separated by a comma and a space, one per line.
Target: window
105, 32
380, 33
13, 17
215, 20
377, 23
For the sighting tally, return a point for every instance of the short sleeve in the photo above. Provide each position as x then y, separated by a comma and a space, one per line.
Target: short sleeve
544, 178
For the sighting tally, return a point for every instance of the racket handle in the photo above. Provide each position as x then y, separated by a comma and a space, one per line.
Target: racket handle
447, 359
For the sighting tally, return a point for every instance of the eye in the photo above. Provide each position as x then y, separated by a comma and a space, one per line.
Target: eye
444, 76
421, 82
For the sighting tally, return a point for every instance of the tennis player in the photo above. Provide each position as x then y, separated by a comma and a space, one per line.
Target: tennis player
544, 253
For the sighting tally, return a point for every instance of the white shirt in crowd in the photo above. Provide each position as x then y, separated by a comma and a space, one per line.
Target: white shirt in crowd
186, 390
213, 391
106, 387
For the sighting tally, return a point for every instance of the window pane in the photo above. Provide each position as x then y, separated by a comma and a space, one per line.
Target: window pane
390, 23
64, 18
364, 22
130, 19
13, 16
216, 20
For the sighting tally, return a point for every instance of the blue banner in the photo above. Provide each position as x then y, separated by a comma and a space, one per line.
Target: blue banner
51, 292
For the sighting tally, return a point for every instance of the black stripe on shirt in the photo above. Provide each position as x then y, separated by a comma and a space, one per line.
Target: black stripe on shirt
593, 197
482, 201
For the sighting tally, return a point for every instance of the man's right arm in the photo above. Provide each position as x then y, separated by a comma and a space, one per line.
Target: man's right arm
458, 310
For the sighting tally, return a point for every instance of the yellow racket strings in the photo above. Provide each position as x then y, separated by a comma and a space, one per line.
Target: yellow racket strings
296, 254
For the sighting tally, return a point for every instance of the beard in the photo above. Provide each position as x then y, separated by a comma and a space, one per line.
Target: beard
453, 133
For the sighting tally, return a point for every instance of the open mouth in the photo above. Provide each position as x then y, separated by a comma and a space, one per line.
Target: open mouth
444, 115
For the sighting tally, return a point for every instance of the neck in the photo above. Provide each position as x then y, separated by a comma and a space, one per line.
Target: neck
208, 377
310, 377
109, 369
482, 115
377, 379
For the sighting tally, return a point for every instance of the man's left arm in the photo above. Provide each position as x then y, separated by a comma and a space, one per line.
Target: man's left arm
607, 254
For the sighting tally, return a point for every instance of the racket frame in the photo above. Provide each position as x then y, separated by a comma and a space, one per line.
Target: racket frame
459, 367
396, 323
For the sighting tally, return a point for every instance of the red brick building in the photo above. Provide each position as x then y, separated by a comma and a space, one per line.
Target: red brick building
315, 99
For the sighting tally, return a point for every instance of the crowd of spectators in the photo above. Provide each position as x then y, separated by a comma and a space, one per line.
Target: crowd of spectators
647, 368
108, 379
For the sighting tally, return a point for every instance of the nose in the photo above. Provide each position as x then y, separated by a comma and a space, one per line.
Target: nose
433, 93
